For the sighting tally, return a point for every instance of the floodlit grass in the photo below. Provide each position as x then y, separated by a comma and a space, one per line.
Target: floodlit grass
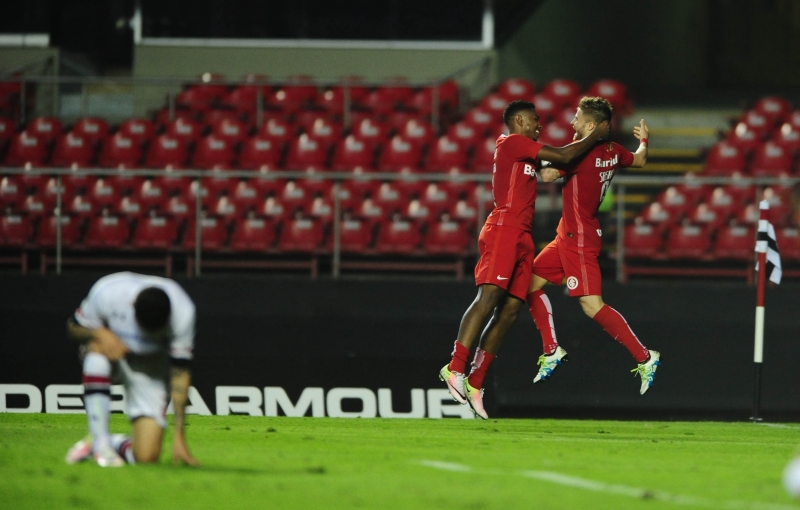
310, 463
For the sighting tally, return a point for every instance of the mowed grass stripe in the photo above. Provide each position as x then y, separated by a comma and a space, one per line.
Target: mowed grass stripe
255, 462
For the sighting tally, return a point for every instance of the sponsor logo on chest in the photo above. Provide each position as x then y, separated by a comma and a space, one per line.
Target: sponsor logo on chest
600, 163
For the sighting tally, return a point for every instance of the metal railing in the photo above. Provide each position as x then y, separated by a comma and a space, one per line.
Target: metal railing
621, 185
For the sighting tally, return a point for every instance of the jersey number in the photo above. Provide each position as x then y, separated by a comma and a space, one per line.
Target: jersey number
604, 189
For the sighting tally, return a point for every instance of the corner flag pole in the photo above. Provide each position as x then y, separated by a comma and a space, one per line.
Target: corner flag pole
758, 351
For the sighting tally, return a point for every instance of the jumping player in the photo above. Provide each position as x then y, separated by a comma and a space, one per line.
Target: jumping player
138, 330
572, 257
506, 247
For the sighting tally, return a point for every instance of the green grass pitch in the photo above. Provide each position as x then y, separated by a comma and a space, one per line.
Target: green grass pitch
311, 463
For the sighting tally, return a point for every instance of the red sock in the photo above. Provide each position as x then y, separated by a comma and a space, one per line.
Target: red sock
615, 325
459, 361
542, 313
480, 364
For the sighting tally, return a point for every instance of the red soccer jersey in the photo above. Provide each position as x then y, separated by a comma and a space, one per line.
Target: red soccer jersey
586, 184
514, 181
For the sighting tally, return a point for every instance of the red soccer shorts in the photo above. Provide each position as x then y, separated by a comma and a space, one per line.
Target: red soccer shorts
579, 265
506, 259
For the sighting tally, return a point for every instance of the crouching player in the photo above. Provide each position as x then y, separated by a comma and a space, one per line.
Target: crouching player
137, 330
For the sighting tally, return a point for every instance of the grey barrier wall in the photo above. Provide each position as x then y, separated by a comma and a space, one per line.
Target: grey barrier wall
358, 338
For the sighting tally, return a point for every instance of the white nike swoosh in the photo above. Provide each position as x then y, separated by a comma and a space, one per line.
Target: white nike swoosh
501, 278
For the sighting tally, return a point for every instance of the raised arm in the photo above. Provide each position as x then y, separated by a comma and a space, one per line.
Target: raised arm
180, 380
567, 154
640, 156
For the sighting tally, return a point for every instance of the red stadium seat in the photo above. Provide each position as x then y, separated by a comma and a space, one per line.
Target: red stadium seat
26, 149
481, 120
400, 153
103, 193
232, 130
47, 234
383, 100
465, 212
82, 207
465, 134
12, 192
120, 151
260, 151
556, 134
246, 195
332, 101
788, 138
771, 160
446, 237
226, 209
35, 207
15, 230
72, 151
106, 232
274, 209
196, 98
446, 153
418, 211
45, 128
316, 182
129, 206
154, 192
398, 236
411, 184
724, 158
92, 129
351, 152
615, 91
244, 99
213, 151
200, 187
706, 216
658, 216
780, 206
547, 107
748, 215
306, 151
253, 234
370, 131
219, 182
179, 208
418, 132
140, 130
643, 240
440, 197
167, 151
566, 93
788, 239
735, 242
484, 155
186, 130
292, 99
301, 235
516, 88
355, 236
758, 123
723, 202
7, 131
674, 202
776, 109
389, 197
325, 131
278, 130
688, 241
213, 234
51, 189
794, 119
155, 232
263, 181
744, 138
371, 210
295, 196
494, 104
321, 208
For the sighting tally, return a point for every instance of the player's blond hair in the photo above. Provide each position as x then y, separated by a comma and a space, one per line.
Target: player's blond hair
598, 109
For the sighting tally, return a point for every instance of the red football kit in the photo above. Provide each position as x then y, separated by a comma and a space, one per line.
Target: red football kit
573, 254
505, 243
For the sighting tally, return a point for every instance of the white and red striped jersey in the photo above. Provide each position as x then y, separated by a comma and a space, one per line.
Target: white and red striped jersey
110, 304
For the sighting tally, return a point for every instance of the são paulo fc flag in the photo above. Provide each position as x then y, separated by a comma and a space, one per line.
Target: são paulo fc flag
766, 243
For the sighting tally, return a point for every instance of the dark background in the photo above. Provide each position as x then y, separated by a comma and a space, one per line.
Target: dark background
295, 333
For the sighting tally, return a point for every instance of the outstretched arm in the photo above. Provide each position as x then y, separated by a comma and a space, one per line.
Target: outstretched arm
567, 154
180, 380
640, 156
549, 174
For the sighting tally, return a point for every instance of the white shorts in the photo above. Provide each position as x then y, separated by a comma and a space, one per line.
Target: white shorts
146, 389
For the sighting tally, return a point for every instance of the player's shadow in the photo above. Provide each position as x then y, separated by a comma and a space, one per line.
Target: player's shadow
313, 470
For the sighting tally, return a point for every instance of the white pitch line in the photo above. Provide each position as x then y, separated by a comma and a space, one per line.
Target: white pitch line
778, 425
619, 489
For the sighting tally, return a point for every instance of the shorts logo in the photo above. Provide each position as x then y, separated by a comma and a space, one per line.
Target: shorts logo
572, 283
501, 278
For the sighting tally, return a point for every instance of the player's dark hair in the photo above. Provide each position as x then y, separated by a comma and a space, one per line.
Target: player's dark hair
598, 109
152, 308
513, 108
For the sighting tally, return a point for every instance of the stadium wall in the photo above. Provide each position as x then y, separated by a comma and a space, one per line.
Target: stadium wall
373, 348
650, 46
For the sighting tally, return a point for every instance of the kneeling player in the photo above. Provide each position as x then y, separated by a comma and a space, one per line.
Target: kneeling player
138, 330
572, 257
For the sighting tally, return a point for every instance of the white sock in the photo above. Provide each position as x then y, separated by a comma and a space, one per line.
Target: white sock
97, 397
122, 444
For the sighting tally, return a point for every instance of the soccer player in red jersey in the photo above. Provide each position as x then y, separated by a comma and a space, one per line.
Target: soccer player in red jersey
503, 273
572, 257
